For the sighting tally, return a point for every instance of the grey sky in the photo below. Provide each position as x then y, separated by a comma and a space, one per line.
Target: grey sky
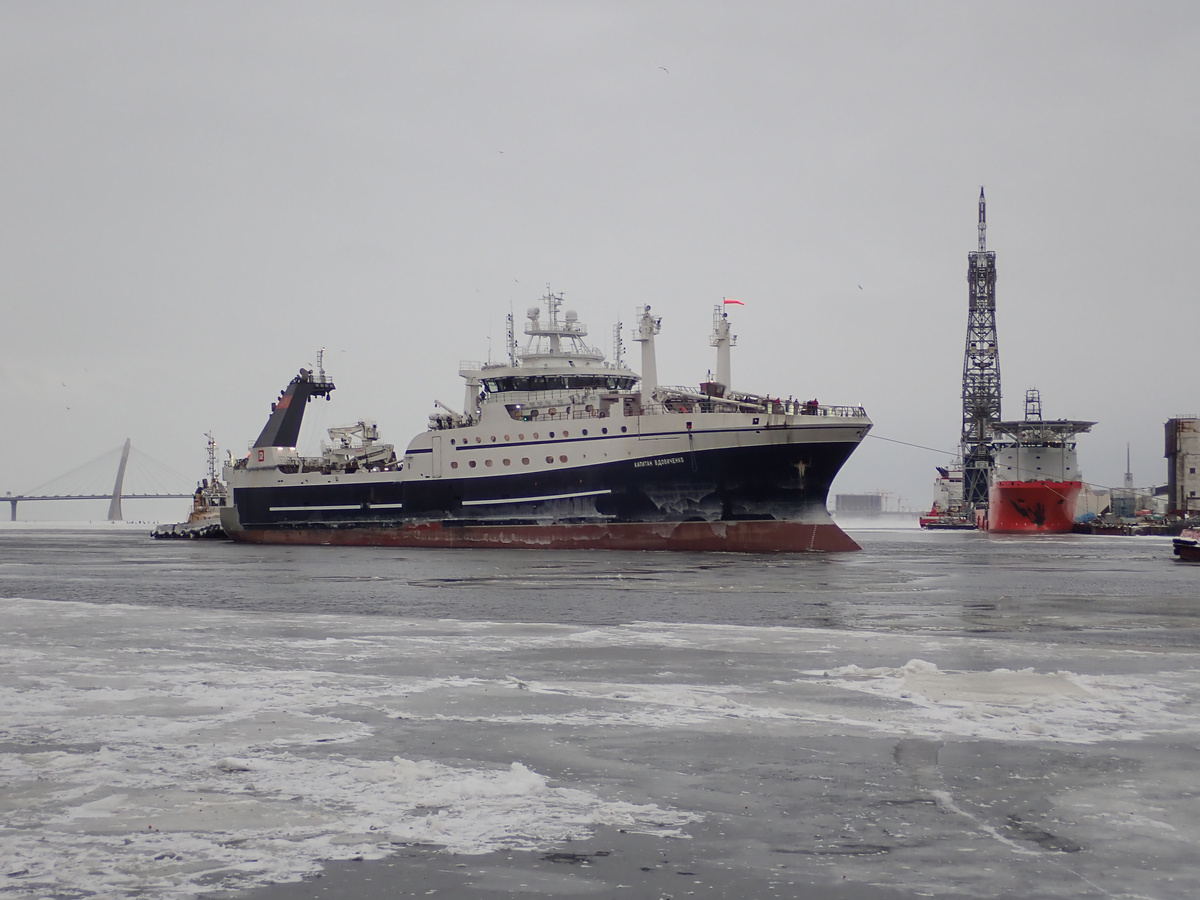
195, 197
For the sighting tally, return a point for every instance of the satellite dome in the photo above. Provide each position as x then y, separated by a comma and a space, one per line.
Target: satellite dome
533, 312
572, 316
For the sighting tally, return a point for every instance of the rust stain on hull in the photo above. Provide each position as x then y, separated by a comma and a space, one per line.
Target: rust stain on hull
731, 537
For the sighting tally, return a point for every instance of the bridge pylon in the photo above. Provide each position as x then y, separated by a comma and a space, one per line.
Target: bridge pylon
114, 497
114, 506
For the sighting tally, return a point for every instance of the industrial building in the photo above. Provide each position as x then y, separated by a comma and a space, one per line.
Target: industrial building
1183, 461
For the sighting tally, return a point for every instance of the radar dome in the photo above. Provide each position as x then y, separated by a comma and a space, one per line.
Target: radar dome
572, 316
533, 312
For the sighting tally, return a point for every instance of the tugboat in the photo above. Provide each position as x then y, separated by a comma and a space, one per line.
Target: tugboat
204, 521
1187, 545
558, 448
949, 512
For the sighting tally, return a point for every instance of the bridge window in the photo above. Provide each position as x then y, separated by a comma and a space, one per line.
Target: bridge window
580, 381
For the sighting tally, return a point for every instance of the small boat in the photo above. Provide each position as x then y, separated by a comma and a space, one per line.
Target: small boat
948, 512
204, 521
1187, 545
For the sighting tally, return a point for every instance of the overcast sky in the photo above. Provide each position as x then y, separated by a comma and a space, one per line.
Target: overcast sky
194, 198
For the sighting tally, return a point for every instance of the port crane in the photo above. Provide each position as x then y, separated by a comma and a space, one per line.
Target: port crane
366, 452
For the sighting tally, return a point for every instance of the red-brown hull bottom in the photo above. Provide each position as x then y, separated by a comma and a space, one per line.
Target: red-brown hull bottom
733, 537
1030, 507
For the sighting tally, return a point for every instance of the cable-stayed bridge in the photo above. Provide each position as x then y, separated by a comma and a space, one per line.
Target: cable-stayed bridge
138, 476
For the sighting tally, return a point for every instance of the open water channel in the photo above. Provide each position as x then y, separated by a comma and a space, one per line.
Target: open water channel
948, 715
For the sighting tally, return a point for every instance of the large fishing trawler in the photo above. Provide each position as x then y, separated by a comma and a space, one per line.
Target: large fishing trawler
558, 448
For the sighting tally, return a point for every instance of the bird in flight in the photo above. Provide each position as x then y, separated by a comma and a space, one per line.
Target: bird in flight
665, 69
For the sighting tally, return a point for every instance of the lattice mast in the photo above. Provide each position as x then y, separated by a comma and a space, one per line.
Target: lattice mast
981, 368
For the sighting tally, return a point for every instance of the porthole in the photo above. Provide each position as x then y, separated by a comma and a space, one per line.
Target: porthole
535, 435
488, 463
454, 464
507, 462
623, 429
562, 459
565, 434
471, 464
549, 459
604, 431
524, 460
479, 440
493, 439
520, 437
451, 442
507, 438
585, 432
551, 434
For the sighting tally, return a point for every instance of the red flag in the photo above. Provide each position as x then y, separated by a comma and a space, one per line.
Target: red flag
738, 302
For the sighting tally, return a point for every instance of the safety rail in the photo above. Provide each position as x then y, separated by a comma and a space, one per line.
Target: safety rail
536, 408
676, 407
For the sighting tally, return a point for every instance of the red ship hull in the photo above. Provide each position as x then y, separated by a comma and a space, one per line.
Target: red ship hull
737, 537
1030, 507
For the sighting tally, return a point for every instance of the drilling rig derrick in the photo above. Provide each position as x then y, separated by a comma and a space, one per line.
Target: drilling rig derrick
981, 369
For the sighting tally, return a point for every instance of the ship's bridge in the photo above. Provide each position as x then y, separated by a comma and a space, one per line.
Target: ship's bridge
556, 358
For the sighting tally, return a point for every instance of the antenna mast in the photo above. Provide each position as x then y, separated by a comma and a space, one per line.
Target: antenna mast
981, 368
212, 458
511, 340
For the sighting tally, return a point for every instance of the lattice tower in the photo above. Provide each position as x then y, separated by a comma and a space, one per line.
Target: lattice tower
981, 367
